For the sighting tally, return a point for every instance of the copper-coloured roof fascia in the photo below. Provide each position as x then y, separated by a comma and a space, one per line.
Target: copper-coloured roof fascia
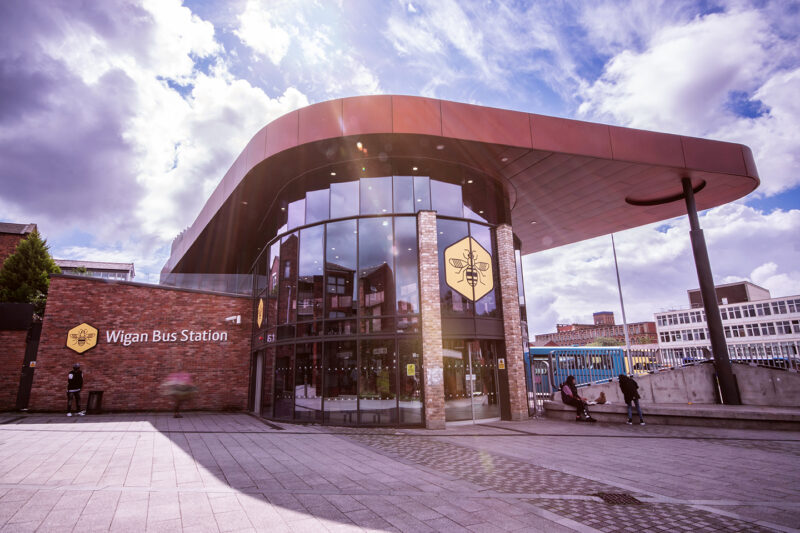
567, 180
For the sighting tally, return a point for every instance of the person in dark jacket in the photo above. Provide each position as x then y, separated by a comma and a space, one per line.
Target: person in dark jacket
74, 386
630, 391
569, 395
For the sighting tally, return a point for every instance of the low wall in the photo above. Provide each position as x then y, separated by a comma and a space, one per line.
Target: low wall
695, 384
130, 367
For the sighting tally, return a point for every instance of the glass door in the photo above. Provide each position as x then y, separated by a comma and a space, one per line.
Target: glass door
470, 382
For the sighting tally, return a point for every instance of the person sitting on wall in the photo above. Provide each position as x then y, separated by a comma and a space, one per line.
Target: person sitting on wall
630, 391
569, 395
74, 386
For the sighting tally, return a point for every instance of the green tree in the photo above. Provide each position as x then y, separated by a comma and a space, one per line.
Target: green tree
24, 276
81, 271
605, 341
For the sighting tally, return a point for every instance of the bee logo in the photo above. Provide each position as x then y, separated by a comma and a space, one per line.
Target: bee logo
468, 269
81, 338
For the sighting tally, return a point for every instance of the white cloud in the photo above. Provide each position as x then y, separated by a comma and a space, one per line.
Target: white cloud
656, 266
256, 30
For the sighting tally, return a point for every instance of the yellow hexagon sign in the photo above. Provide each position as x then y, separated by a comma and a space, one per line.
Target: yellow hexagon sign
468, 269
260, 312
82, 338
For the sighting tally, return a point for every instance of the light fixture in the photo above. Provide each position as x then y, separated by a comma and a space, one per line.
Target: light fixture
480, 212
533, 222
333, 173
414, 168
504, 159
283, 209
440, 147
469, 180
419, 199
359, 145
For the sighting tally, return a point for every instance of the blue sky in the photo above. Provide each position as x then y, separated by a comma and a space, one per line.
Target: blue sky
118, 118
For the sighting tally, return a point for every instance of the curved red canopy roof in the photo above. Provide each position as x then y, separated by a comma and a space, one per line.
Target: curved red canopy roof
566, 180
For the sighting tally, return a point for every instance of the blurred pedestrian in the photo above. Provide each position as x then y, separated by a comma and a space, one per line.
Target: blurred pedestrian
630, 391
74, 386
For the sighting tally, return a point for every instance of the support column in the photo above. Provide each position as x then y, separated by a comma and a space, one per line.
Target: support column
719, 348
512, 327
430, 308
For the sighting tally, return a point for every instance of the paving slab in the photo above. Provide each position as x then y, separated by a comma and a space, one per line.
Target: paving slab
232, 472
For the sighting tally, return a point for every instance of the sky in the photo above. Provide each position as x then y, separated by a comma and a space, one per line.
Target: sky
118, 118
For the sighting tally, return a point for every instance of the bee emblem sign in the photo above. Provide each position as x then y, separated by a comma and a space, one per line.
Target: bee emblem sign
81, 338
468, 269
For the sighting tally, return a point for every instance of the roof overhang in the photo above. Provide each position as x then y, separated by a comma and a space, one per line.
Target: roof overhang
566, 180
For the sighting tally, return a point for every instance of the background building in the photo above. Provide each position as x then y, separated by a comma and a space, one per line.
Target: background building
97, 269
604, 326
10, 236
755, 325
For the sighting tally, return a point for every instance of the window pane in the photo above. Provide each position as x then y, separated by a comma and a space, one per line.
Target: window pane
340, 269
341, 379
284, 387
487, 305
377, 382
310, 278
344, 199
446, 198
287, 303
317, 206
403, 194
422, 193
297, 213
271, 311
376, 196
308, 382
453, 303
405, 231
375, 258
410, 385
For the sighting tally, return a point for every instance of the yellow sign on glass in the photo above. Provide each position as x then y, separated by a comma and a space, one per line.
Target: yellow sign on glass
82, 338
411, 370
260, 312
468, 269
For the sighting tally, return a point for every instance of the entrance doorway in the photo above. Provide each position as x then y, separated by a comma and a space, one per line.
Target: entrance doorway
259, 382
470, 380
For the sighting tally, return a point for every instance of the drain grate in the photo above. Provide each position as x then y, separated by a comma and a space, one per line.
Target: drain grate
617, 498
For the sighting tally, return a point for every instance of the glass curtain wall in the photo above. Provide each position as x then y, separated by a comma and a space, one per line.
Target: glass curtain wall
338, 291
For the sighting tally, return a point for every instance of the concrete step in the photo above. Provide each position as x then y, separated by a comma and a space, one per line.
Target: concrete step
708, 415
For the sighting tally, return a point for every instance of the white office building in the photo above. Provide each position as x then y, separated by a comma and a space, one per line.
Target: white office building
757, 327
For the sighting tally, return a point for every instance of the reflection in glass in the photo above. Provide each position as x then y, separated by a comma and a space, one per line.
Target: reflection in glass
446, 198
487, 305
297, 213
271, 311
377, 391
308, 382
453, 303
317, 206
410, 384
340, 327
484, 391
310, 274
287, 301
284, 388
422, 193
344, 199
403, 194
405, 250
340, 385
268, 389
340, 269
470, 379
376, 196
375, 259
457, 384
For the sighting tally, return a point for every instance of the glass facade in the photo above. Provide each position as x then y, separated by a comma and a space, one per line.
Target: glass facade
338, 337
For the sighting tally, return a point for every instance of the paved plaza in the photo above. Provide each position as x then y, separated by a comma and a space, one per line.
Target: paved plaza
233, 472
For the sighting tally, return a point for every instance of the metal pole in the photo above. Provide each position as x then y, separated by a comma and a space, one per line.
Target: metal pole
622, 305
719, 348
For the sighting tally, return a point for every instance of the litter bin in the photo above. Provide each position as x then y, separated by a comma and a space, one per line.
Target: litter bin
94, 405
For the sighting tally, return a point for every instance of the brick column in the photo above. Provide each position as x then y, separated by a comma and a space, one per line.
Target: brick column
509, 296
431, 320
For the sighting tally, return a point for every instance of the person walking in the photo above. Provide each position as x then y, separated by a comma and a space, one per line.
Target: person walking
630, 391
569, 395
74, 386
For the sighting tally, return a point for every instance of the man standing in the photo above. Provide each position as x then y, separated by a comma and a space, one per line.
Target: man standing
74, 386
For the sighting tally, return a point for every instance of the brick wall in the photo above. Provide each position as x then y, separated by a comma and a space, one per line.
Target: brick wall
509, 297
8, 244
12, 355
431, 320
131, 375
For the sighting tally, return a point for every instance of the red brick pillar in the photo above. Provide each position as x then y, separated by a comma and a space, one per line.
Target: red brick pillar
431, 320
509, 296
